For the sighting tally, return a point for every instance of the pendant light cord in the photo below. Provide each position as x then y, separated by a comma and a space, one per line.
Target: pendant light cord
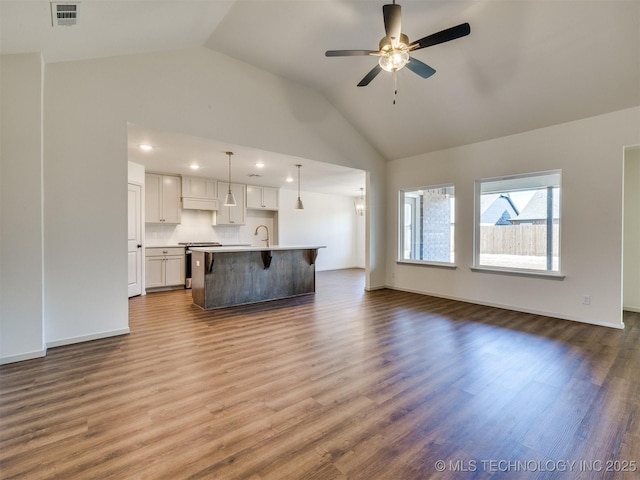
298, 205
229, 184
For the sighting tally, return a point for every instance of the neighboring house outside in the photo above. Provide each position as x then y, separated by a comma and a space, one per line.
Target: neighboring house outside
497, 209
535, 212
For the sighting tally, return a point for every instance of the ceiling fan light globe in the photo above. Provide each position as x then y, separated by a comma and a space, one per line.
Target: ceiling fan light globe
394, 60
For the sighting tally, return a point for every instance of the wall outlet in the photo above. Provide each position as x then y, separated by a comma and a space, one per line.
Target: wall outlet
586, 299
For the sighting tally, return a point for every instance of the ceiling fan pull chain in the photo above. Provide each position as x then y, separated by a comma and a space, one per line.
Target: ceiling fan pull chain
395, 87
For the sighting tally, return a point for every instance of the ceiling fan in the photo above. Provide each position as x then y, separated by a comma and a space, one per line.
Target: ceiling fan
394, 47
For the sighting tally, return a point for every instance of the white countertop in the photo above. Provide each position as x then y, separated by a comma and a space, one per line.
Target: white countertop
255, 248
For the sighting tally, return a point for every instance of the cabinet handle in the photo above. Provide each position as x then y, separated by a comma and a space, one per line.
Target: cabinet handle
165, 251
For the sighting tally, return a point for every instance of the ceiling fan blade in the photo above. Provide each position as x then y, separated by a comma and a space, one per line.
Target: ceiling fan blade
392, 22
349, 53
421, 68
370, 76
442, 36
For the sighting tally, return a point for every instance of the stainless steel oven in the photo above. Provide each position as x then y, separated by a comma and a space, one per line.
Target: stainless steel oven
187, 263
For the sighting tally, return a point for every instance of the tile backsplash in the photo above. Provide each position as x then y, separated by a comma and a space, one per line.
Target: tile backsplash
197, 226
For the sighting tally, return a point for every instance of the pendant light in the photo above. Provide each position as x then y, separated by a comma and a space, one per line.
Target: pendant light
359, 203
229, 200
298, 205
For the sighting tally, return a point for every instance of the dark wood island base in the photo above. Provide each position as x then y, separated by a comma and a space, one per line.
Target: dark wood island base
224, 277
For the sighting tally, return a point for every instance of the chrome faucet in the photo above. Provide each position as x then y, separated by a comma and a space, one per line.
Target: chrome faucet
267, 229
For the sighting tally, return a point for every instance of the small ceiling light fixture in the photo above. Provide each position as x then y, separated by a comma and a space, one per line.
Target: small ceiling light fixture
298, 205
230, 200
194, 166
289, 179
260, 164
359, 203
145, 147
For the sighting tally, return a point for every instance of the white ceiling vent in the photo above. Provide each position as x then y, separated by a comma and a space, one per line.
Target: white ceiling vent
64, 14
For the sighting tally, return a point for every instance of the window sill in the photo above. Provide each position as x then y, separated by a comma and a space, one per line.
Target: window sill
425, 263
522, 273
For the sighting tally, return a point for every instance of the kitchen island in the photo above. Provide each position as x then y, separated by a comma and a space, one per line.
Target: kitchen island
228, 276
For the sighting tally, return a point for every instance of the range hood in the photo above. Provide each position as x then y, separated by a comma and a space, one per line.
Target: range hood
199, 193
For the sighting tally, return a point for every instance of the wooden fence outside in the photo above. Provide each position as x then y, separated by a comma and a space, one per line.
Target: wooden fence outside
523, 239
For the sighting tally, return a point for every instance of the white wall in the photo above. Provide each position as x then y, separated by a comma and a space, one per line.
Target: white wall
197, 92
21, 208
590, 154
631, 254
135, 173
361, 238
326, 220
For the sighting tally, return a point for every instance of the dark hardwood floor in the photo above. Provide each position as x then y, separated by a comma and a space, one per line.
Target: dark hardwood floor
344, 384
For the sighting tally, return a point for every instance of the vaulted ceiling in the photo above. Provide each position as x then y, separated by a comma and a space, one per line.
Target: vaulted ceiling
525, 65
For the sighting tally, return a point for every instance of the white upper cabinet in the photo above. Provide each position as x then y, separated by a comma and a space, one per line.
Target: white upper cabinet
199, 193
162, 198
270, 198
231, 215
262, 198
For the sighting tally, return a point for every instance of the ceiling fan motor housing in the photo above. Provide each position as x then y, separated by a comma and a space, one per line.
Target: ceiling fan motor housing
386, 43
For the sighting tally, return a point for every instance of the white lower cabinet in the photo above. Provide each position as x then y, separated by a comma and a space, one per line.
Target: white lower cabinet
164, 267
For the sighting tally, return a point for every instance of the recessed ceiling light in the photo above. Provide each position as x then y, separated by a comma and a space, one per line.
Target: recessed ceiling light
145, 147
194, 166
289, 179
259, 164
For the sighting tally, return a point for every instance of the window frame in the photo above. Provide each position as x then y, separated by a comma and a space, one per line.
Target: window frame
477, 266
401, 227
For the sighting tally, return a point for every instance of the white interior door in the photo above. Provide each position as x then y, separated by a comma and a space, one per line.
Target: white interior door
134, 243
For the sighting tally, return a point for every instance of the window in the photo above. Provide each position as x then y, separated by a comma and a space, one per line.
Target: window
518, 222
427, 220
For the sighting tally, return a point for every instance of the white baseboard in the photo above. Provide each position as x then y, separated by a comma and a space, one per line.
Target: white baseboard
87, 338
59, 343
515, 309
381, 287
22, 357
631, 309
